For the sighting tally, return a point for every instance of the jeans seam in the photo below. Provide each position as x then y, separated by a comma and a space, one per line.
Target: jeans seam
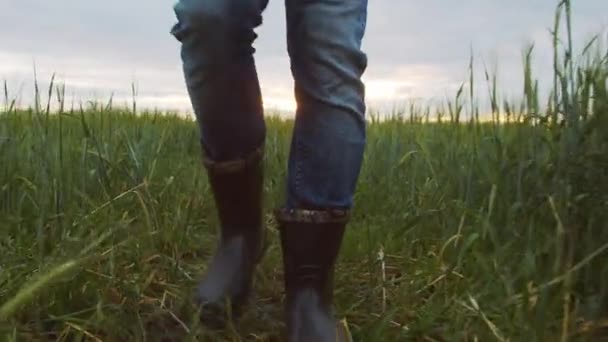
298, 163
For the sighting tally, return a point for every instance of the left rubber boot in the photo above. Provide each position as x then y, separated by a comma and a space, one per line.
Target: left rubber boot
310, 242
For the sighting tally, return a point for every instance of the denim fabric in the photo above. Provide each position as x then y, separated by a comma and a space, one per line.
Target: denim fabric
324, 44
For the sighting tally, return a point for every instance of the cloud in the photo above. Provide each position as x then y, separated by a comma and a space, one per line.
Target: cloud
415, 48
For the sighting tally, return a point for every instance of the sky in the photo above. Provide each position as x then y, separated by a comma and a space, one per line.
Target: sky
417, 50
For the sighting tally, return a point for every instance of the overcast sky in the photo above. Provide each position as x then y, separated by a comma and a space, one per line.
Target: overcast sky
416, 48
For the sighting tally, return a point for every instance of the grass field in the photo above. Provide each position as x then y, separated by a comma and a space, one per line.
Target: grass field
463, 231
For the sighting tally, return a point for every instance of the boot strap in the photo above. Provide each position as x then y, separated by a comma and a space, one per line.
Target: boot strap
236, 165
285, 215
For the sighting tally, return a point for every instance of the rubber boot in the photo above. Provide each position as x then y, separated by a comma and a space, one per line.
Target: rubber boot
310, 242
226, 287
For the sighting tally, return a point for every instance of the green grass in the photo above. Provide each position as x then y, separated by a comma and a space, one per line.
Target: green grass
463, 230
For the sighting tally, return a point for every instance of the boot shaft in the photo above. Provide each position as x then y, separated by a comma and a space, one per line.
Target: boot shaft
311, 242
237, 189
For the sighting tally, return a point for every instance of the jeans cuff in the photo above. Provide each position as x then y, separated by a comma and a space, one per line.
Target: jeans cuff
236, 165
286, 215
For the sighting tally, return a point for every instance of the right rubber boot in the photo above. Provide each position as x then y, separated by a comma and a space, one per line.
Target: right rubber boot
226, 287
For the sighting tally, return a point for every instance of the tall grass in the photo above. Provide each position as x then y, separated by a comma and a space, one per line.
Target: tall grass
463, 230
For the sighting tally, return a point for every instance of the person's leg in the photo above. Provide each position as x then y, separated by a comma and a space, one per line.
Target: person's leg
216, 49
217, 54
324, 41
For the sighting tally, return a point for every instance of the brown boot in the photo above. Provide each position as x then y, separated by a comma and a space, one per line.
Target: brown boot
237, 188
310, 241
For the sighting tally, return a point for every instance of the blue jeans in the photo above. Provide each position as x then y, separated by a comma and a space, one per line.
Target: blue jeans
324, 45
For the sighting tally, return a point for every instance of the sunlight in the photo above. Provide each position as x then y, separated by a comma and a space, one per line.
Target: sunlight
386, 89
282, 104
